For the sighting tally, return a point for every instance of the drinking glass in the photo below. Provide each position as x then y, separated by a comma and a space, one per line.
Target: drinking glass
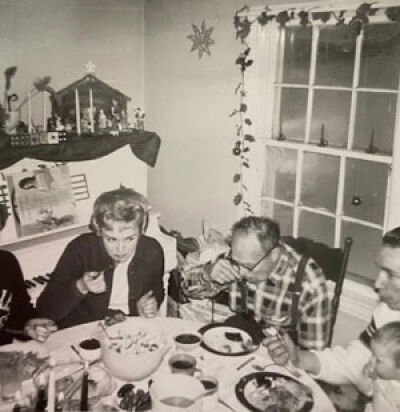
11, 364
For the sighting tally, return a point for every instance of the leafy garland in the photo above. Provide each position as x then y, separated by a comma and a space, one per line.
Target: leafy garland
242, 26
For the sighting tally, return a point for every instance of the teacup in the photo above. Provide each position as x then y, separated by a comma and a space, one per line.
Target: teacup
183, 363
171, 393
90, 349
187, 341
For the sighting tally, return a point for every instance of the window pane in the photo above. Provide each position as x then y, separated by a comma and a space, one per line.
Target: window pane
375, 116
320, 181
282, 214
331, 113
293, 114
317, 227
335, 56
366, 243
365, 190
380, 56
297, 55
280, 174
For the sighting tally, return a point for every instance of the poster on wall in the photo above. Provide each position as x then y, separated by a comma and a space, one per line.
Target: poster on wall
42, 200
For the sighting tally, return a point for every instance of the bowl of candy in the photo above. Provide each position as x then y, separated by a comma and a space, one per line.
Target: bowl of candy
132, 354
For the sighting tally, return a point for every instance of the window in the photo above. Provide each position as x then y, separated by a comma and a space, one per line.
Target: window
325, 104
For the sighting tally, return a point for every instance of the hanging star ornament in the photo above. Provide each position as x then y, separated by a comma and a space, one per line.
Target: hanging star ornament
201, 39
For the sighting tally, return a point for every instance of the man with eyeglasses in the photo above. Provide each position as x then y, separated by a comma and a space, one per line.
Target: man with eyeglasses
261, 274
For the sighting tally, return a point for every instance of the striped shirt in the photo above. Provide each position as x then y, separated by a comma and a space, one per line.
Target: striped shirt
273, 297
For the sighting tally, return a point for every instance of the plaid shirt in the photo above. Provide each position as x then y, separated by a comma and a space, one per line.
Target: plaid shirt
273, 297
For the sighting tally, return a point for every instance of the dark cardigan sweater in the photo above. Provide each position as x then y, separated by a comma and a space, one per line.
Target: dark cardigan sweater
62, 301
16, 312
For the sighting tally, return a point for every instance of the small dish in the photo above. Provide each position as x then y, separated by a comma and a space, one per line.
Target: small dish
188, 341
90, 349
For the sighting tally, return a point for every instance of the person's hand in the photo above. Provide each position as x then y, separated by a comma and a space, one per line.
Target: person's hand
223, 272
147, 305
40, 328
281, 349
92, 282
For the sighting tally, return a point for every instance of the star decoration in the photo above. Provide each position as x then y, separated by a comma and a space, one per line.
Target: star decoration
90, 68
201, 39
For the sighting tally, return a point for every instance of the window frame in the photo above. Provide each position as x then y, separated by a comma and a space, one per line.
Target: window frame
261, 76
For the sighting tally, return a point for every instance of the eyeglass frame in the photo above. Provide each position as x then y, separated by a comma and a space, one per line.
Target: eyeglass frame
238, 265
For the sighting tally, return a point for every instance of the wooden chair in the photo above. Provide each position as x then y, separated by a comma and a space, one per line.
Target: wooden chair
333, 261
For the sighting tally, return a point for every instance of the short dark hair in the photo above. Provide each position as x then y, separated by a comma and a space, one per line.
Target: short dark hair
392, 238
266, 229
389, 334
119, 205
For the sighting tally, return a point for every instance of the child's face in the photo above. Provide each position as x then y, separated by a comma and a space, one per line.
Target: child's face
382, 364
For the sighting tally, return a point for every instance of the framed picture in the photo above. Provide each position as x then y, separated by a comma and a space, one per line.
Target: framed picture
42, 200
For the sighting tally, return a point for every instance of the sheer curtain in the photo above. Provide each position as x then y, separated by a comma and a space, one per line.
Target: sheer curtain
259, 81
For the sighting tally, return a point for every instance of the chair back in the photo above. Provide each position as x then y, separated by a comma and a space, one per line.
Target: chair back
333, 262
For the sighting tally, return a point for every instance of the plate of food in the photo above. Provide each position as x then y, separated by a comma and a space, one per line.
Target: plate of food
227, 340
271, 392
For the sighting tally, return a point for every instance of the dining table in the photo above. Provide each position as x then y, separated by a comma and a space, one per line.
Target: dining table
228, 370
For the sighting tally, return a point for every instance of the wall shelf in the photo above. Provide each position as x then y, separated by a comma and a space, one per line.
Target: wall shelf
144, 145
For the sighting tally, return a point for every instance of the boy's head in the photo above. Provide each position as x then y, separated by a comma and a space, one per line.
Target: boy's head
385, 347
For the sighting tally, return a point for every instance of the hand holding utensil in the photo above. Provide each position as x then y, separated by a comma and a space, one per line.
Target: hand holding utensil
273, 333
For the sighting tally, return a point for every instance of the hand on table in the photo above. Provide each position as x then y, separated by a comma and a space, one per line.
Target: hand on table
40, 328
147, 305
92, 282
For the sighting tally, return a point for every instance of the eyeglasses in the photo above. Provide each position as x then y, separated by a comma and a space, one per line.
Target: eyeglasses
248, 269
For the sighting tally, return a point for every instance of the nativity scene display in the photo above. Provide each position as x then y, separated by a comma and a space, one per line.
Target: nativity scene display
84, 108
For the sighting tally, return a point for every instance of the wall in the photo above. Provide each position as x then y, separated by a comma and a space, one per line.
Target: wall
188, 101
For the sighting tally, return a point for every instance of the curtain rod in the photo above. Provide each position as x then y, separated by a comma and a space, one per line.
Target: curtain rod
315, 6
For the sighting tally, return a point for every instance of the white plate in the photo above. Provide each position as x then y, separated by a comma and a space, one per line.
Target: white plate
216, 338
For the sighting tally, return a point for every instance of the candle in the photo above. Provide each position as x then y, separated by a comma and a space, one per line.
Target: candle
51, 389
91, 110
77, 112
44, 113
84, 406
29, 113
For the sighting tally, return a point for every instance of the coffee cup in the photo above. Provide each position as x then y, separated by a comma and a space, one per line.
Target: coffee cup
183, 363
172, 393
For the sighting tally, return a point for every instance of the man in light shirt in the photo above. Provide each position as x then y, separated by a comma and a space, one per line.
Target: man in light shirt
114, 268
342, 365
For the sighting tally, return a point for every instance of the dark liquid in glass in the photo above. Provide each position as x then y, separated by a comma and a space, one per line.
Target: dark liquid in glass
182, 364
187, 338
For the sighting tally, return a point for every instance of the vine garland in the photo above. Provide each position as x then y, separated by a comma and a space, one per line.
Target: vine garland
242, 25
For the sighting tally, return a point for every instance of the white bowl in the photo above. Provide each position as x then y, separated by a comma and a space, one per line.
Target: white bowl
188, 340
175, 386
129, 361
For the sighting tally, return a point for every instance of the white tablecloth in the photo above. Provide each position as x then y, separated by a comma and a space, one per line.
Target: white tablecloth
222, 367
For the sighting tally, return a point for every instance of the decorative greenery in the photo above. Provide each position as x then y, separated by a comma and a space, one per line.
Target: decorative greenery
242, 25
